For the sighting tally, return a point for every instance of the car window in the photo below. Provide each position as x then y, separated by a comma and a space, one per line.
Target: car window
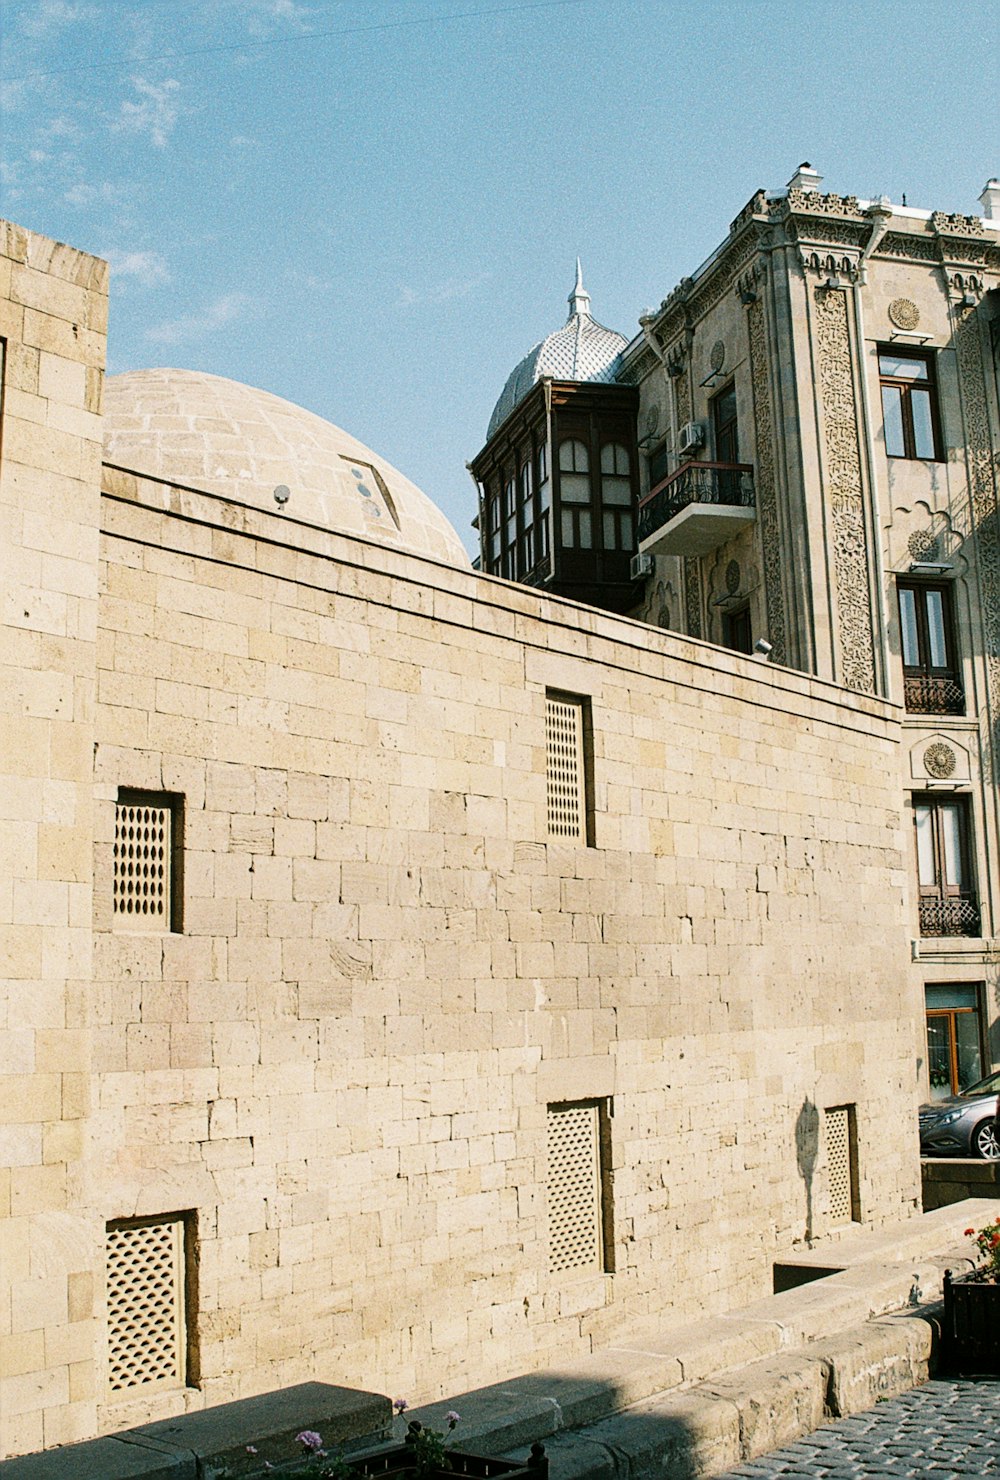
988, 1086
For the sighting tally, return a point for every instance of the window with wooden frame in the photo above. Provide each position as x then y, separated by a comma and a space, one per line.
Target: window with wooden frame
578, 1187
954, 1037
544, 486
147, 865
725, 426
947, 899
494, 520
567, 766
510, 527
149, 1302
840, 1126
576, 519
931, 680
616, 498
910, 414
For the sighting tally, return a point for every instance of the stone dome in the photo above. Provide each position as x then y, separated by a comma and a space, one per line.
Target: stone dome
581, 350
215, 435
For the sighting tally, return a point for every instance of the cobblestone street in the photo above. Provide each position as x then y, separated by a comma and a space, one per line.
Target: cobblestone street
940, 1429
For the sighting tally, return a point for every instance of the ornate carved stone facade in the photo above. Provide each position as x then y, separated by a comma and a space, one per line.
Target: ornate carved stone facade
984, 474
764, 478
841, 430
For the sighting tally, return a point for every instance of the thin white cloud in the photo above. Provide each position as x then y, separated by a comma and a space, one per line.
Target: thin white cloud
84, 194
215, 315
51, 16
148, 269
154, 114
443, 293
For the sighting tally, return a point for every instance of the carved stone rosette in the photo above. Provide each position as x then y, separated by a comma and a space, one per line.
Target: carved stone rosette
985, 512
846, 492
767, 503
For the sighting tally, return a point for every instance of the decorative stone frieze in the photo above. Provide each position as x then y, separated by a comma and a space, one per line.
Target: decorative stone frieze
984, 474
841, 424
765, 484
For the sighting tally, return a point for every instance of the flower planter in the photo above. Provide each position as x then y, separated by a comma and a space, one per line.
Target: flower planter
970, 1338
399, 1460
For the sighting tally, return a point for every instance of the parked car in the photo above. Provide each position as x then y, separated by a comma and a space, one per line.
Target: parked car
963, 1123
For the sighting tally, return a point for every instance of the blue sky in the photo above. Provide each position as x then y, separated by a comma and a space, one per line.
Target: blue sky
373, 207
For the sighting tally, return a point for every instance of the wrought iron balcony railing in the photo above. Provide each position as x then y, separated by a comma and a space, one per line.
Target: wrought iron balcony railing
923, 694
956, 916
696, 483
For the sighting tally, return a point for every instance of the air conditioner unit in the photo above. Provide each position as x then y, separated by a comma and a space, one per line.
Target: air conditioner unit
691, 436
640, 567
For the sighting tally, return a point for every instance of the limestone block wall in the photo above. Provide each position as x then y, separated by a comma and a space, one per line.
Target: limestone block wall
341, 1066
53, 315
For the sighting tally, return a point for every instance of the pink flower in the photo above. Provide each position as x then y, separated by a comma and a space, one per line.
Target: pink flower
251, 1449
453, 1418
309, 1439
401, 1405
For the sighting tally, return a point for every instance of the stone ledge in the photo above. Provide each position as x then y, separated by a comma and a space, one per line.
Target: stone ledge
198, 1445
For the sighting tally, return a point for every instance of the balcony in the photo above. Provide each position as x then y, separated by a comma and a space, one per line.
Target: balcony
956, 916
924, 694
696, 509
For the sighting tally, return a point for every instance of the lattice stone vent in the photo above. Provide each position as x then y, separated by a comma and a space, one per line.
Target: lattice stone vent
564, 769
145, 1268
142, 864
574, 1188
838, 1164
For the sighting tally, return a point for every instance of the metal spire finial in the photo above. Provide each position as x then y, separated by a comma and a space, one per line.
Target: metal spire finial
579, 299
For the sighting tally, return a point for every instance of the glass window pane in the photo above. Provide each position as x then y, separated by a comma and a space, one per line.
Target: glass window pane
967, 1045
567, 528
925, 845
614, 459
908, 627
923, 429
902, 367
935, 630
543, 494
951, 834
626, 531
586, 537
575, 488
892, 413
957, 994
616, 491
609, 532
573, 457
939, 1055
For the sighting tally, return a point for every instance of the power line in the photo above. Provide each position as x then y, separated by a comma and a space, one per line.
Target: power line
171, 56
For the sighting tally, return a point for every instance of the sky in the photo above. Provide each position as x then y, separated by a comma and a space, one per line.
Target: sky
374, 207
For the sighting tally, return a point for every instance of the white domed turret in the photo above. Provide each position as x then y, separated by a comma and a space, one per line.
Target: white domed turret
582, 349
217, 436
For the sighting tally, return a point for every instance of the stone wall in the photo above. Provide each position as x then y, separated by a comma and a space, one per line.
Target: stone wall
53, 315
387, 971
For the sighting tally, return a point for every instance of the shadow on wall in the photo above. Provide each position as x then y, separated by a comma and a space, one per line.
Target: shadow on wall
806, 1154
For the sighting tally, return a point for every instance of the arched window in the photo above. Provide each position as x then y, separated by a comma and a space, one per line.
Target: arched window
526, 500
616, 497
510, 527
574, 493
544, 488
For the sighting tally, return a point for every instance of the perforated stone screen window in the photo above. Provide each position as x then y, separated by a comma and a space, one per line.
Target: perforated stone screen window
146, 1323
576, 1188
565, 768
147, 842
842, 1164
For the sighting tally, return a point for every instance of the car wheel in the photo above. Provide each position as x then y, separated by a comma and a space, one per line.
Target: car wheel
984, 1141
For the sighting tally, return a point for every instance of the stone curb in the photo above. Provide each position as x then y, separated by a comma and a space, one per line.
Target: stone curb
726, 1421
